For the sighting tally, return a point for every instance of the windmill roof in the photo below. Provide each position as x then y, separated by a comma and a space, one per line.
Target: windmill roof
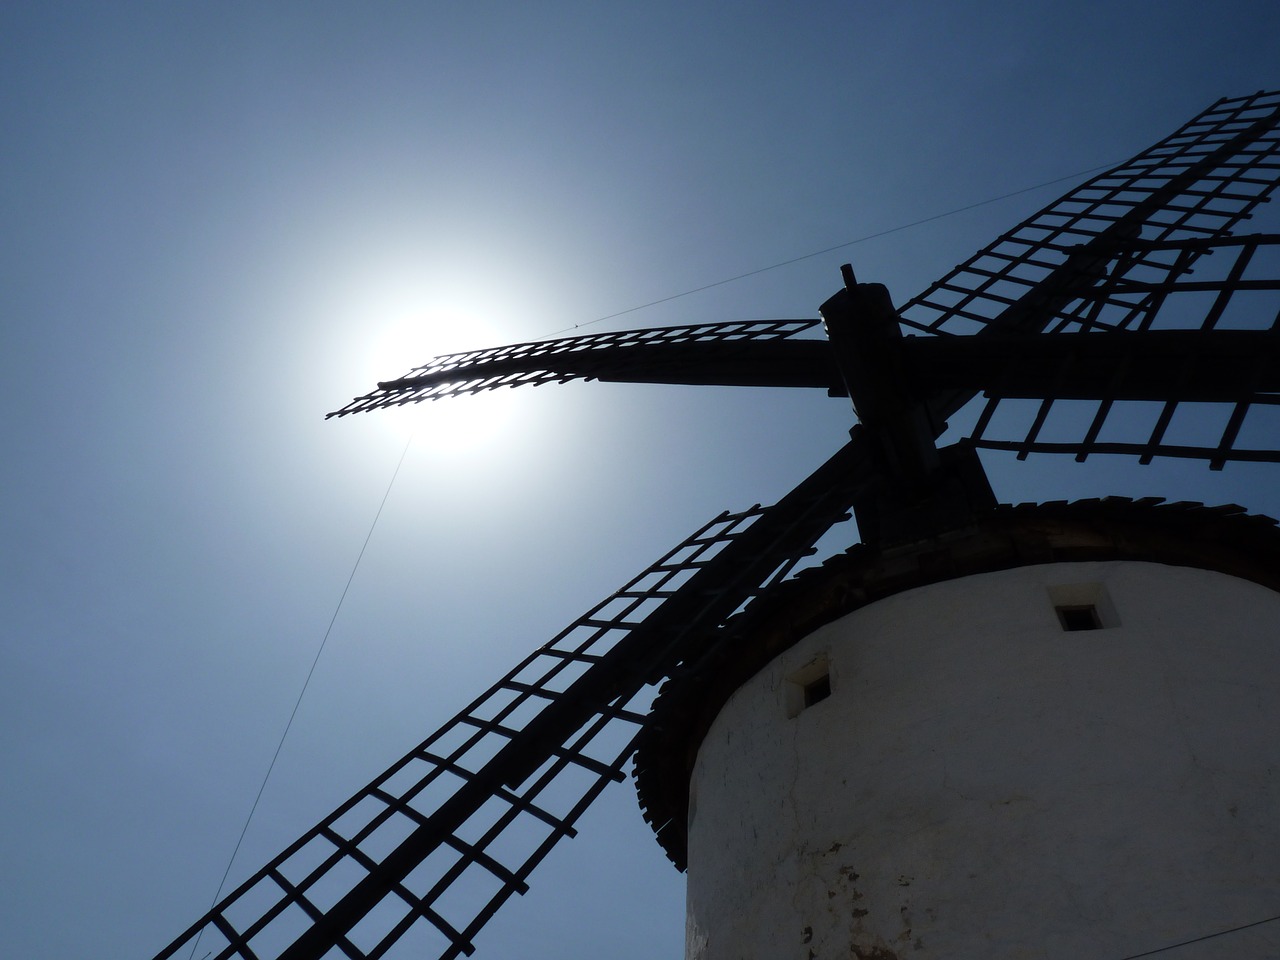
1226, 539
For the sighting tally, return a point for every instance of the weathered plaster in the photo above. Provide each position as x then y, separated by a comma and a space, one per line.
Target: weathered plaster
981, 783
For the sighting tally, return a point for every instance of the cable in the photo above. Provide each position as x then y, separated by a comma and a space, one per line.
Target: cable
305, 683
1207, 936
838, 246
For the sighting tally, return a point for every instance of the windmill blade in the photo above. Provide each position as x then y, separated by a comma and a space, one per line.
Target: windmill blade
483, 800
752, 353
1204, 359
1198, 183
1224, 318
1224, 376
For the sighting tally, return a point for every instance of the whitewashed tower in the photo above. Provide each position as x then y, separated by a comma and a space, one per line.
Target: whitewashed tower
1053, 734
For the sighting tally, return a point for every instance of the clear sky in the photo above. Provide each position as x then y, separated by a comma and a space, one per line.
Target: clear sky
223, 220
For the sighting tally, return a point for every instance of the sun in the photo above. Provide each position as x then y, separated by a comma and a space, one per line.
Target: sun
454, 424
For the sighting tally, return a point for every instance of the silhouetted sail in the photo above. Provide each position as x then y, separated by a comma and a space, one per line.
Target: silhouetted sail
430, 849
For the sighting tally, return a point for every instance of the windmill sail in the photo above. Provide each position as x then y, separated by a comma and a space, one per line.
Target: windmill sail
1188, 365
752, 353
482, 801
1065, 268
1198, 183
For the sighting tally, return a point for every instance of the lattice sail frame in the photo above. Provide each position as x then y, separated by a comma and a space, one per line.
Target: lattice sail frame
1198, 183
1235, 288
477, 805
299, 886
557, 361
389, 865
1158, 215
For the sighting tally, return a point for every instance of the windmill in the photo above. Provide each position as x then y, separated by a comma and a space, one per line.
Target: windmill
1094, 298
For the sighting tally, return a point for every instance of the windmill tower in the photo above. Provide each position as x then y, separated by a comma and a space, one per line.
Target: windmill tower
1047, 734
1092, 299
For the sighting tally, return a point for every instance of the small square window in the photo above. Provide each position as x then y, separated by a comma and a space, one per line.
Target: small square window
1081, 617
1083, 606
807, 686
817, 690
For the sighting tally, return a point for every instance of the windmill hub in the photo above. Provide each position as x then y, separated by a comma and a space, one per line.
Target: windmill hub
914, 489
862, 326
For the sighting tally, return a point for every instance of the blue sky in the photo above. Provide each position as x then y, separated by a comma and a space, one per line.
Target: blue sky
224, 220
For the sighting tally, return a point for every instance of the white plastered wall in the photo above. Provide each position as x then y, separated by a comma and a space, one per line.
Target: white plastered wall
983, 784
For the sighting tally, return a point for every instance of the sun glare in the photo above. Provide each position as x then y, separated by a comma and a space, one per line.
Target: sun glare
453, 424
